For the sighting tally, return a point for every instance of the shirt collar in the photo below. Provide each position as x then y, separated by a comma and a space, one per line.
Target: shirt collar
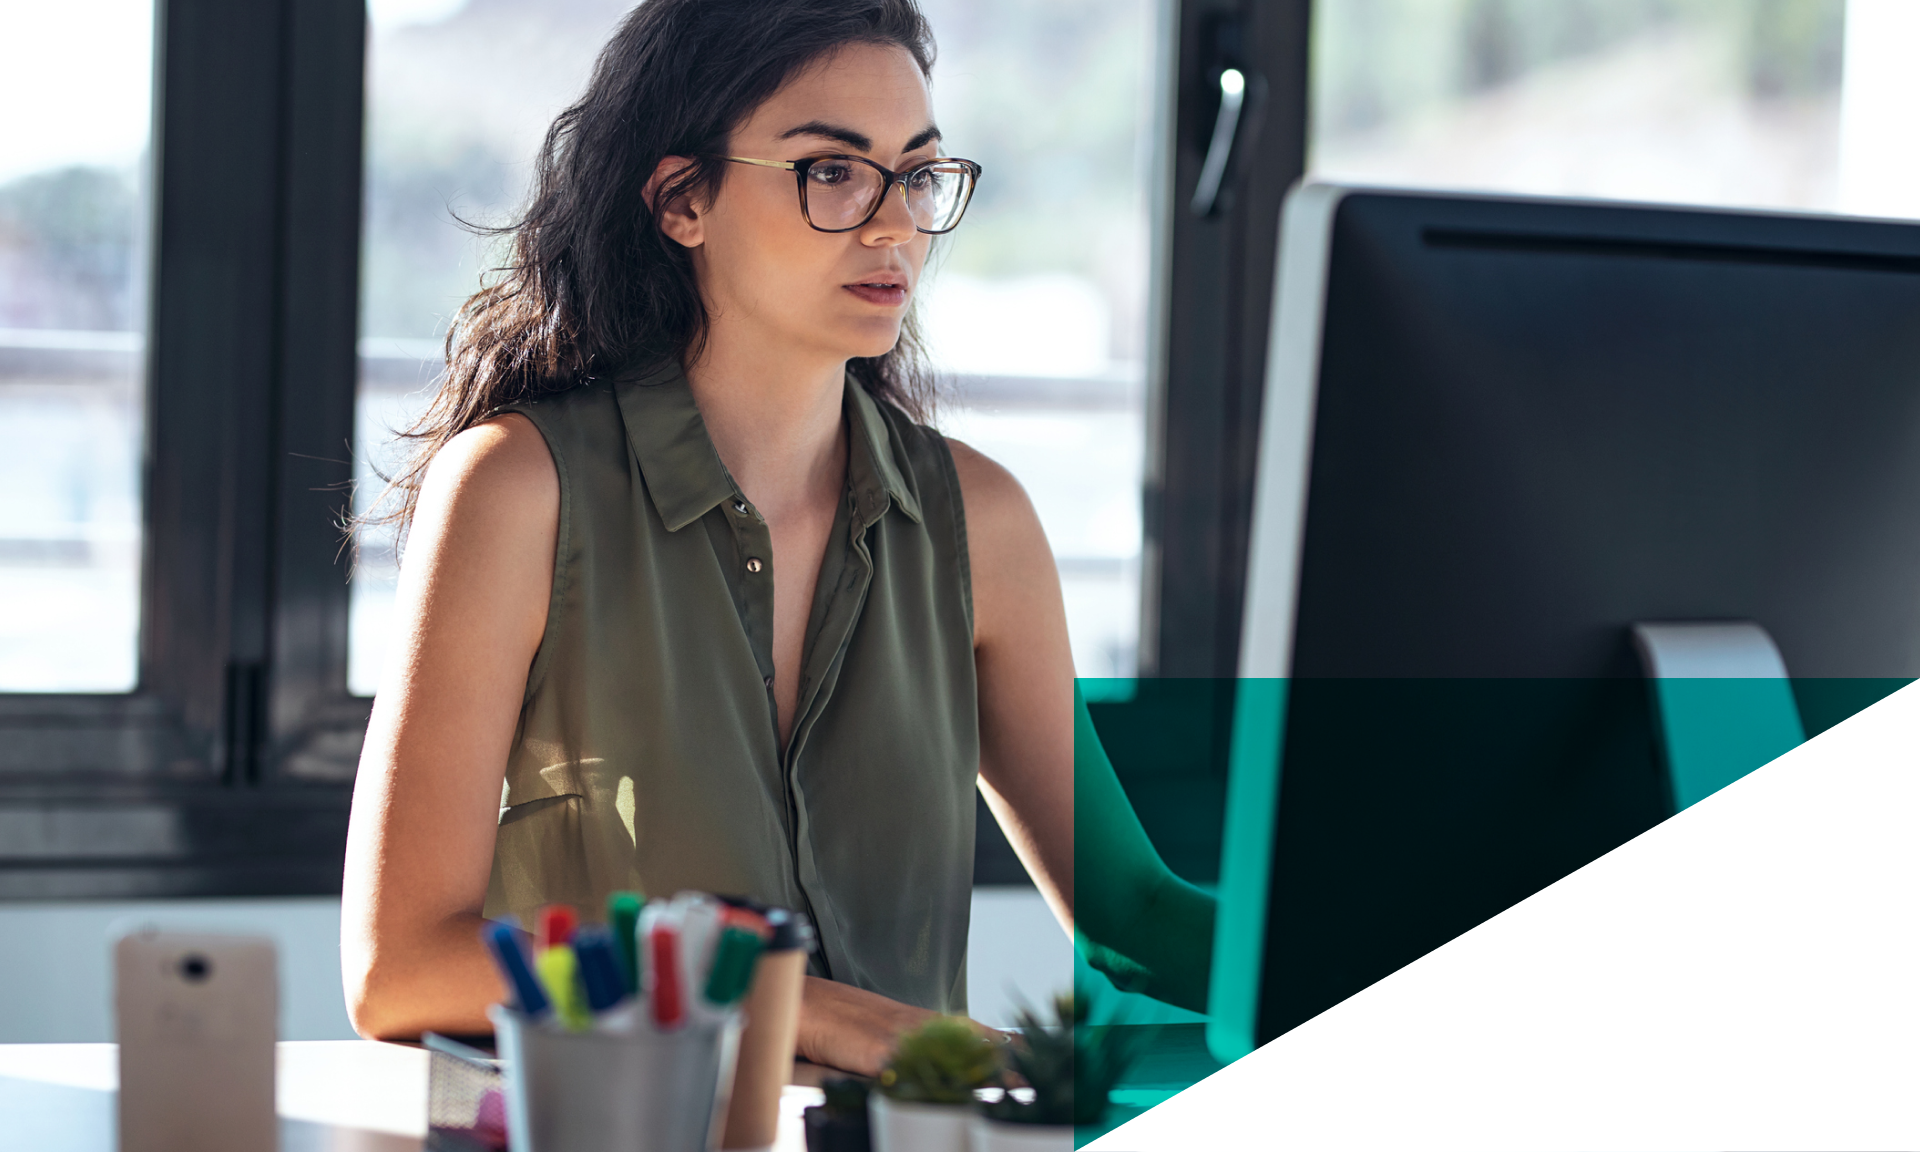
873, 466
683, 471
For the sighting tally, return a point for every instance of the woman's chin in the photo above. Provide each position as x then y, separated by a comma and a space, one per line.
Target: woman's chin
868, 344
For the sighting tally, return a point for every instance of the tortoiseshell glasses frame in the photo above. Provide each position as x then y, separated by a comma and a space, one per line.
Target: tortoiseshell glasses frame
936, 192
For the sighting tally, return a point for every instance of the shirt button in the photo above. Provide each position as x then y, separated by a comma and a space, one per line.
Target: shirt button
740, 506
769, 681
753, 563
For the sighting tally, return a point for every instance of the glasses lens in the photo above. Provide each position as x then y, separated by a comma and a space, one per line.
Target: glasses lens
840, 193
937, 195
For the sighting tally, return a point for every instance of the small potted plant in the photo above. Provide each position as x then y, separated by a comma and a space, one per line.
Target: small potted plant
840, 1124
1069, 1066
925, 1100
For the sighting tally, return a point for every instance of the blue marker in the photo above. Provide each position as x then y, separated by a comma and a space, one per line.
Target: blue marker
599, 968
503, 940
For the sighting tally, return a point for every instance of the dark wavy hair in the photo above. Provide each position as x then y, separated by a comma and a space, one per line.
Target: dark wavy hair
591, 286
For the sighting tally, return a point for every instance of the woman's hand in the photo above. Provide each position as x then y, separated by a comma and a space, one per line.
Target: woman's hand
855, 1030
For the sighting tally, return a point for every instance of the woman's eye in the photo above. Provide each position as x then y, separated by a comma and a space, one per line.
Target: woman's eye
830, 172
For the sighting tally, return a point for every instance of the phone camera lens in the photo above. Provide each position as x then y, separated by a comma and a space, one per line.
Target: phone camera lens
195, 967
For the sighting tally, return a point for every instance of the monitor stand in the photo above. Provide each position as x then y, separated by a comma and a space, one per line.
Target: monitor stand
1722, 700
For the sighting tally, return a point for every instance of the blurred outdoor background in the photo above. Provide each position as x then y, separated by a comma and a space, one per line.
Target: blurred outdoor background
76, 81
1039, 310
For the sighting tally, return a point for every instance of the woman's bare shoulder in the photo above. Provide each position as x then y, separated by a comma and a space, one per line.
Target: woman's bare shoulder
500, 457
478, 567
994, 499
1015, 585
497, 476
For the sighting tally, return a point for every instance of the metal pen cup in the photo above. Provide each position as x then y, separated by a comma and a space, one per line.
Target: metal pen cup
644, 1091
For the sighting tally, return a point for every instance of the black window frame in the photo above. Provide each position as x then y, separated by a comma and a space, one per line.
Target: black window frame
1218, 280
228, 770
1215, 292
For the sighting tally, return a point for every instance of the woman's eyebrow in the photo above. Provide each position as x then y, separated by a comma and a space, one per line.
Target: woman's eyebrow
847, 136
858, 141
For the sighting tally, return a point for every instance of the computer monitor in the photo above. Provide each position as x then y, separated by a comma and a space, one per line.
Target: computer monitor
1499, 433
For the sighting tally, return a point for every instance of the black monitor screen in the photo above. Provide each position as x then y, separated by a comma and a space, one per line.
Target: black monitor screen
1536, 423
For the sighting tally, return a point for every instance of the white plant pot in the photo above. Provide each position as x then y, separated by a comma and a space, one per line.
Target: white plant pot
1001, 1136
899, 1126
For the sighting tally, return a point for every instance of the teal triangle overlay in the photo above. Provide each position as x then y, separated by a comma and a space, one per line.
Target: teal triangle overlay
1716, 730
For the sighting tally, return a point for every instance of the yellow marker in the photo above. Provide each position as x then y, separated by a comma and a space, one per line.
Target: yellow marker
559, 971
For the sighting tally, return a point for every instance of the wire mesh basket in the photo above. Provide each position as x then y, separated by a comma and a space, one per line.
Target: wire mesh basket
466, 1098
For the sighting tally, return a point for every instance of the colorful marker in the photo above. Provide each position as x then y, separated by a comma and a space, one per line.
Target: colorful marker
666, 990
733, 963
556, 925
503, 940
699, 939
623, 920
560, 971
599, 969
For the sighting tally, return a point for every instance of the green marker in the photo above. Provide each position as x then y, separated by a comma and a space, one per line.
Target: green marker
623, 918
734, 958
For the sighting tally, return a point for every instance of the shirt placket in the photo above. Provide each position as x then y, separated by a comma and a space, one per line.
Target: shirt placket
752, 579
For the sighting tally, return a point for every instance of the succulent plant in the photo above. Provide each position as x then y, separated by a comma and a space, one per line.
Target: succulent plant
941, 1062
845, 1096
1071, 1064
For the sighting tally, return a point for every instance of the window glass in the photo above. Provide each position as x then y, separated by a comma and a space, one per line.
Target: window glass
1796, 104
459, 96
76, 77
1035, 312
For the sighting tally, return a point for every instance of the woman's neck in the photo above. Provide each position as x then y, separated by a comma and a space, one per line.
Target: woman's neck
777, 424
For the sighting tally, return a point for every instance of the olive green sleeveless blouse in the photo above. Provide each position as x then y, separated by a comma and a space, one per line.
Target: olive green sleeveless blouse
648, 751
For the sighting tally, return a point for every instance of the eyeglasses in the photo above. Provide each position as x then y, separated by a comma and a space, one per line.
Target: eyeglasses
842, 193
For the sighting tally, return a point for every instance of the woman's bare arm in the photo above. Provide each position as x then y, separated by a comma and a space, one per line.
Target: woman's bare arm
471, 608
1040, 761
1025, 672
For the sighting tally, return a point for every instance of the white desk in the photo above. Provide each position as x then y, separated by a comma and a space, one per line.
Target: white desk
1745, 975
334, 1096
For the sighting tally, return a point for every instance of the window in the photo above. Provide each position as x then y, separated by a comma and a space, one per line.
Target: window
174, 409
1037, 310
456, 109
73, 260
1764, 104
176, 647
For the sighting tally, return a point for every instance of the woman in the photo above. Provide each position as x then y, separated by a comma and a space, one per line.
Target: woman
689, 599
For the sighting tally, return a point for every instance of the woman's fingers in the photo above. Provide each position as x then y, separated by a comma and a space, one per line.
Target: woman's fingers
852, 1029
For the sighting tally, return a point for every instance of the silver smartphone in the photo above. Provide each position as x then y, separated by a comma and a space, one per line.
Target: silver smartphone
196, 1016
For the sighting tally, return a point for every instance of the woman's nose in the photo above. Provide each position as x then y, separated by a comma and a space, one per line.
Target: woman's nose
893, 224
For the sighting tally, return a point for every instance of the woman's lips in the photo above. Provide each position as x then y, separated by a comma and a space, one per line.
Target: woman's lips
885, 295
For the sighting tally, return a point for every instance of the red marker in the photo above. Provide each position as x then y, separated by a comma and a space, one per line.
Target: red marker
665, 982
747, 919
557, 922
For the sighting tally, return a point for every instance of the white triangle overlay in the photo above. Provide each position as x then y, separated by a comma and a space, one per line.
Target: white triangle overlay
1745, 975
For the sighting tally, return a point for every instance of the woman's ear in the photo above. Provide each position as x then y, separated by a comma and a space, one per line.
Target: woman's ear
677, 216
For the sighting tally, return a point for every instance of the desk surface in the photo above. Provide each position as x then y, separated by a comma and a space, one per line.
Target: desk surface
1744, 975
362, 1096
334, 1096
